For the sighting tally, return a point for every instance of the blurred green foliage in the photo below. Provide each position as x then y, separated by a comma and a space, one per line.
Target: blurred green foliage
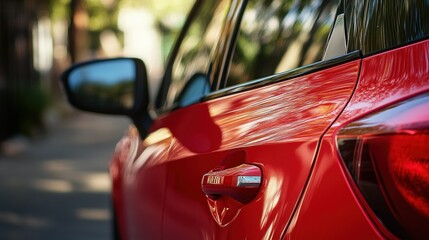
58, 9
25, 109
160, 8
32, 103
103, 15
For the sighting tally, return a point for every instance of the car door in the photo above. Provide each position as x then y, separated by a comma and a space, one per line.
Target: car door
140, 194
240, 158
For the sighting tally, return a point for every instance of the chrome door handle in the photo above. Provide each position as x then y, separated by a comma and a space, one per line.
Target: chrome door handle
240, 183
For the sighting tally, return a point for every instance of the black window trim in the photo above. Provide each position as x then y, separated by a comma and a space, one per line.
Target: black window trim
238, 16
284, 76
160, 107
166, 78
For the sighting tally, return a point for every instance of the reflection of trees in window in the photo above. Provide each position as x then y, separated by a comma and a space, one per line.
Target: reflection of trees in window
277, 36
100, 95
377, 25
197, 45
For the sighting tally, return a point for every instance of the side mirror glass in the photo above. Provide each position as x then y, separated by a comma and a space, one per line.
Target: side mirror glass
111, 86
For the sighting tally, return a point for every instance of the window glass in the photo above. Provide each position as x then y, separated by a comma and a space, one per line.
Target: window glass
377, 25
194, 55
279, 35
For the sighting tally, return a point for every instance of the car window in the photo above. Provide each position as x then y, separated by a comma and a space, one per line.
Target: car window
195, 53
377, 25
277, 36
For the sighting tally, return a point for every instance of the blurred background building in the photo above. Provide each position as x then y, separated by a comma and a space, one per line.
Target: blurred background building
41, 38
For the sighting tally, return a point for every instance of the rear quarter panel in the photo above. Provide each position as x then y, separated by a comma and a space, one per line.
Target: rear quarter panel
332, 207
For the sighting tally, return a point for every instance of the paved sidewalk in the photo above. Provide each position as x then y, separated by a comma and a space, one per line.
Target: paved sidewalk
58, 187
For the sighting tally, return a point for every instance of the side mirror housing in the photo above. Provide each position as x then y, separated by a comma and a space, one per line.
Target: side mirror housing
116, 86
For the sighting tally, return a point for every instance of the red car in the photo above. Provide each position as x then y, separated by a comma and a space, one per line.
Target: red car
280, 119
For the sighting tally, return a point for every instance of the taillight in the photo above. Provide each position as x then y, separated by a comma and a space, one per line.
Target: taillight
387, 155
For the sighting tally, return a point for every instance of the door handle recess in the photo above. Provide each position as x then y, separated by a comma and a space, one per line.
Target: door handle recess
240, 183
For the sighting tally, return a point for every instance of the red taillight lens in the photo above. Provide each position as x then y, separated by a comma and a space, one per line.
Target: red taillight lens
387, 154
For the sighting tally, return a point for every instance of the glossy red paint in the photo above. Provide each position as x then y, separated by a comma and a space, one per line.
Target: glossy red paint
387, 78
139, 188
269, 127
116, 172
273, 129
329, 210
332, 207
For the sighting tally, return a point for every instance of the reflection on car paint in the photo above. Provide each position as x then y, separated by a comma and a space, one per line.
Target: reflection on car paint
270, 121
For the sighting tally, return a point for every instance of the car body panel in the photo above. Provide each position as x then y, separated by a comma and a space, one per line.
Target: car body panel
287, 128
269, 127
140, 186
388, 77
385, 79
329, 209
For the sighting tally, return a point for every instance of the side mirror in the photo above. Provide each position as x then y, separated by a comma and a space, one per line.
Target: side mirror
111, 86
116, 86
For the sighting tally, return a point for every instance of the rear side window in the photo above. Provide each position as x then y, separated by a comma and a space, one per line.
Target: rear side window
277, 36
378, 25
